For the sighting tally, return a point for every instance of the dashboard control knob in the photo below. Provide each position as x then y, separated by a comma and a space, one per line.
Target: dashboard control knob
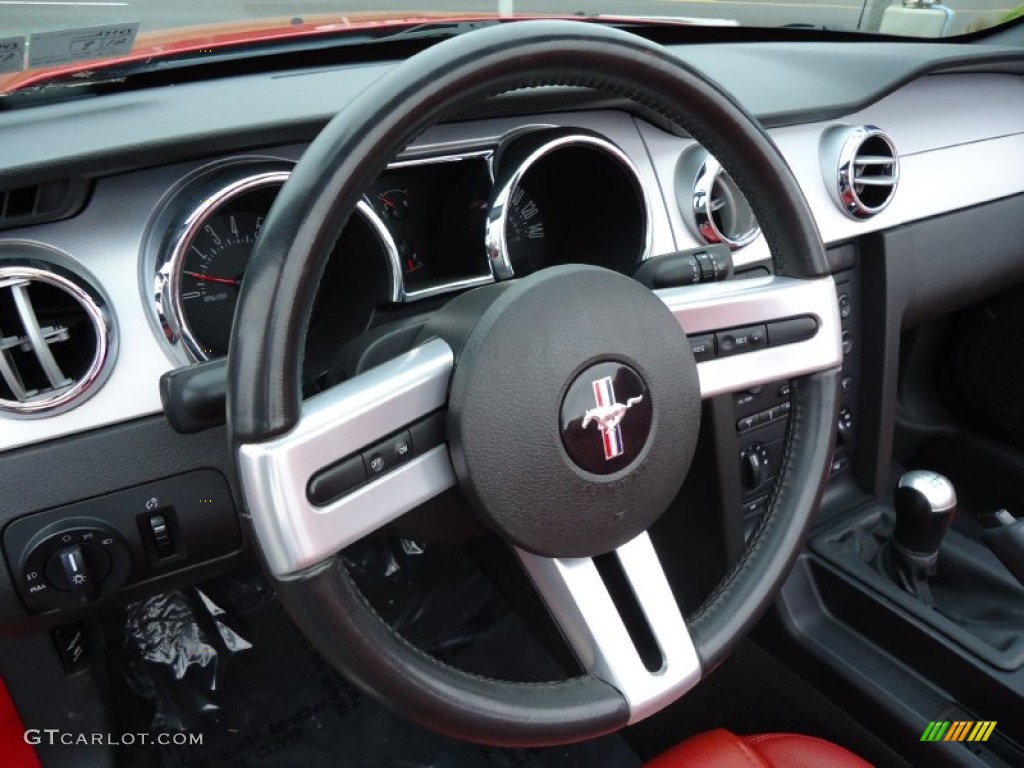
73, 562
78, 569
754, 466
845, 424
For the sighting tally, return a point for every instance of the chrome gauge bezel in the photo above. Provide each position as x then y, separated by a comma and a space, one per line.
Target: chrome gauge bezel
508, 181
487, 155
216, 191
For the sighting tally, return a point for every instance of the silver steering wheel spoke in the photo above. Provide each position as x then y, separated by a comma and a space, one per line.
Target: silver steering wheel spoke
713, 308
340, 427
582, 606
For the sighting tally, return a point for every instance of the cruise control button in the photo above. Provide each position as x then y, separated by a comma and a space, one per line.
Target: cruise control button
388, 454
793, 330
703, 347
335, 481
741, 340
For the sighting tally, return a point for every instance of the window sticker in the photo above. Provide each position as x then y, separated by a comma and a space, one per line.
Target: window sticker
67, 46
12, 54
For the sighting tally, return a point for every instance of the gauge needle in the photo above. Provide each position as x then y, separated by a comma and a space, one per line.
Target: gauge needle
212, 279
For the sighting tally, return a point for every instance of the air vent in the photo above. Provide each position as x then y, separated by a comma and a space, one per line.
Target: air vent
711, 202
861, 168
37, 203
55, 340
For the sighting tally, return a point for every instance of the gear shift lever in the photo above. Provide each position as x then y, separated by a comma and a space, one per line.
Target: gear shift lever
925, 504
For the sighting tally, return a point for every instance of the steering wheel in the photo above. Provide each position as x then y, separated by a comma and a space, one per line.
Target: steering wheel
514, 395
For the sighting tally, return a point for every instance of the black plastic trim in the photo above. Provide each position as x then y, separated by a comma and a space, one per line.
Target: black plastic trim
93, 464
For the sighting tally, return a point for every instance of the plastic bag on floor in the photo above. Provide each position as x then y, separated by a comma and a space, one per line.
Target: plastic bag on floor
177, 645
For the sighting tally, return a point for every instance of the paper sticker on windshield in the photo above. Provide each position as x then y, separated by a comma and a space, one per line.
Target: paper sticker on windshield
12, 54
45, 49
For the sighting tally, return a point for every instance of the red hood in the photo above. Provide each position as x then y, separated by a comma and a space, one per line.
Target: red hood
206, 38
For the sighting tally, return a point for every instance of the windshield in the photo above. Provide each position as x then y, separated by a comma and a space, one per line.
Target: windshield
38, 37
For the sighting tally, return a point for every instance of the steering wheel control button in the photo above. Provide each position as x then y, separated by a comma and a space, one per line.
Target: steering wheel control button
792, 330
703, 347
606, 418
740, 340
388, 454
337, 480
347, 475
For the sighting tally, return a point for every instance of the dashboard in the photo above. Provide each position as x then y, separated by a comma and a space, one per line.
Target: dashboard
158, 200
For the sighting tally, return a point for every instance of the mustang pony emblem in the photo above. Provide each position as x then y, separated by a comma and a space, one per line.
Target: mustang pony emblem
609, 414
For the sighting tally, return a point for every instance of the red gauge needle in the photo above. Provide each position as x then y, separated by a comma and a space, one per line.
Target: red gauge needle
212, 279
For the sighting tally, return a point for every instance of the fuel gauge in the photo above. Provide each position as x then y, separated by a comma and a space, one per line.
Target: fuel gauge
394, 203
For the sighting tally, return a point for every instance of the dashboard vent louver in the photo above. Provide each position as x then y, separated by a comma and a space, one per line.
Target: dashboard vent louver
37, 203
711, 202
864, 169
55, 340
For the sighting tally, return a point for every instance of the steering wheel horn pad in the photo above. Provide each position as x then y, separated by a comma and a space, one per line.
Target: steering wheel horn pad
506, 400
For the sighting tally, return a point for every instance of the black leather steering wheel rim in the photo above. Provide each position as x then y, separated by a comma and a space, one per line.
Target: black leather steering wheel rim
264, 393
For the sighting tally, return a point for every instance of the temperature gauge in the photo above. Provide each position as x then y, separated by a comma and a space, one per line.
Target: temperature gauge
411, 261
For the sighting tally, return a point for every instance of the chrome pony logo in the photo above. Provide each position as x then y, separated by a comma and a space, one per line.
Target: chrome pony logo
609, 415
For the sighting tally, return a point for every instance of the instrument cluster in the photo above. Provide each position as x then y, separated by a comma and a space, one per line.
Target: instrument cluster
429, 226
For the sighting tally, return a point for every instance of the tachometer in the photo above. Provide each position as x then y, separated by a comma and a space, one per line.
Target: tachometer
212, 270
203, 263
204, 273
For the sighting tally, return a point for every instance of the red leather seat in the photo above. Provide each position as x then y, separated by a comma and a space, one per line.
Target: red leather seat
722, 749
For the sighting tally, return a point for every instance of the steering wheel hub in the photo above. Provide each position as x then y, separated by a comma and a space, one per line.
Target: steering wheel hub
552, 469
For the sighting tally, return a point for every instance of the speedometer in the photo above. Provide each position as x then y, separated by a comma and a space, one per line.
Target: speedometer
524, 233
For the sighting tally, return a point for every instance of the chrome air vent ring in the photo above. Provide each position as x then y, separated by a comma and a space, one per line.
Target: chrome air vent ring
861, 169
711, 203
57, 339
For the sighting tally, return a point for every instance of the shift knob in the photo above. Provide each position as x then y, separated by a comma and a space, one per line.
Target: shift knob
925, 504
